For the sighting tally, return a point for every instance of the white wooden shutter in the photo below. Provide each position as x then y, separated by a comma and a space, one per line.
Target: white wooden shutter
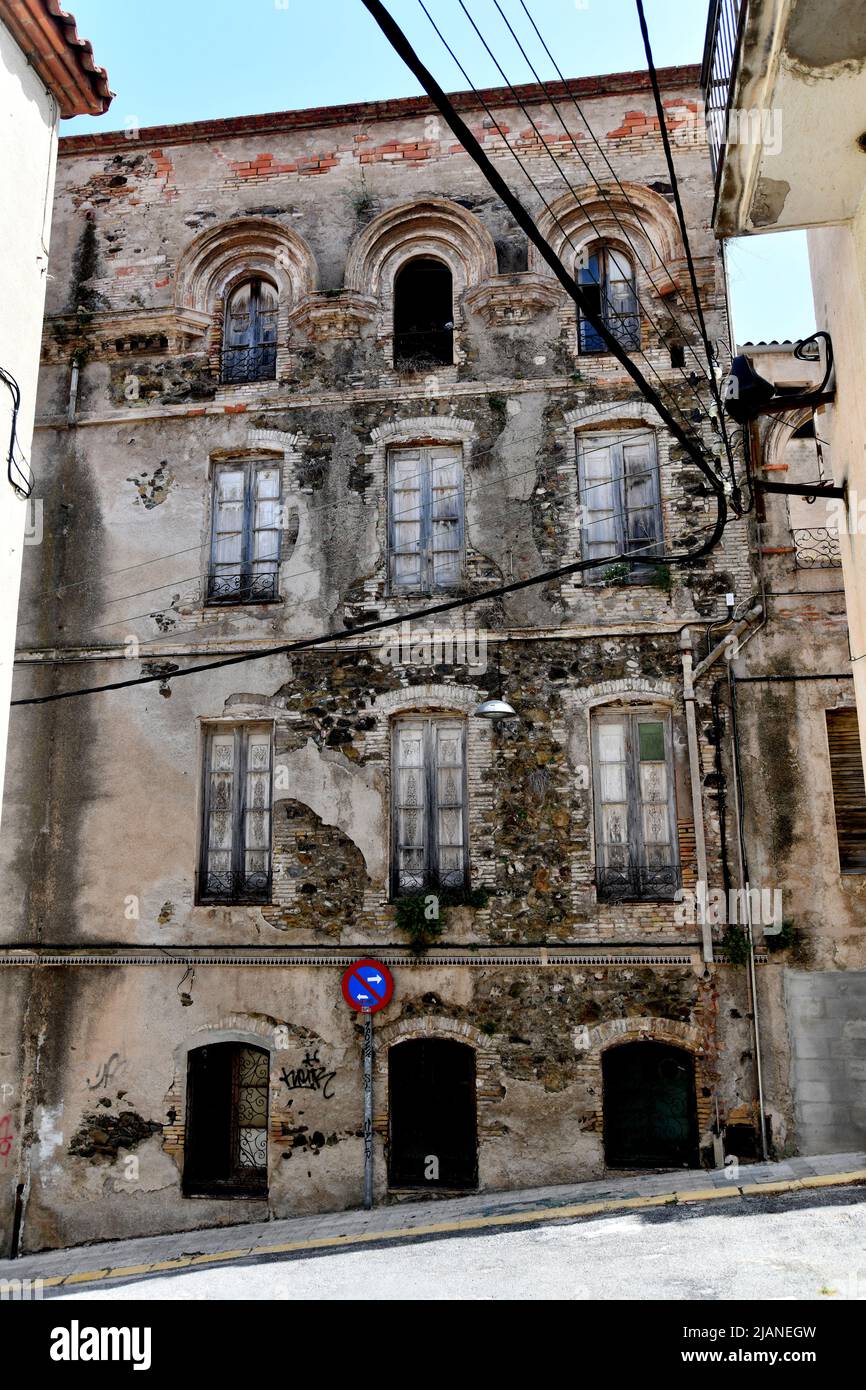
266, 519
446, 491
642, 518
406, 539
228, 530
599, 499
654, 791
613, 821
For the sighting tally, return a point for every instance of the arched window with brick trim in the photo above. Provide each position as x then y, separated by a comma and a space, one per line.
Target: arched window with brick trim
250, 332
606, 276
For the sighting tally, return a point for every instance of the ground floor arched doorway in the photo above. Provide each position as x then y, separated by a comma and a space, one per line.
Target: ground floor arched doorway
432, 1120
649, 1106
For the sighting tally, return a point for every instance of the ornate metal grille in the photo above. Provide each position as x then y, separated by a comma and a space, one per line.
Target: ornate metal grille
249, 363
243, 587
632, 882
816, 548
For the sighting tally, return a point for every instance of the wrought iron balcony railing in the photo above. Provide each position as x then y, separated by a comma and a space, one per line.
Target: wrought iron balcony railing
816, 548
725, 27
416, 351
237, 588
241, 364
637, 882
233, 887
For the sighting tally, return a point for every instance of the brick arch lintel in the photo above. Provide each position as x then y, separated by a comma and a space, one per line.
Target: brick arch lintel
432, 1026
637, 689
623, 1030
461, 699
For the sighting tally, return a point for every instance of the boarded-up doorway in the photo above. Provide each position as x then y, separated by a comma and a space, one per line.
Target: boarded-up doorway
433, 1135
650, 1113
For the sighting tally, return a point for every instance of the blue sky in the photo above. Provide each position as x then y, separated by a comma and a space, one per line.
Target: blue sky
189, 60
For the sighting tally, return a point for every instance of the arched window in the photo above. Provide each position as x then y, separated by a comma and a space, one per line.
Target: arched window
606, 277
226, 1148
423, 315
250, 334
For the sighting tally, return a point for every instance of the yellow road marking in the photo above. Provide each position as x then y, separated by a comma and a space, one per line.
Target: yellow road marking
469, 1223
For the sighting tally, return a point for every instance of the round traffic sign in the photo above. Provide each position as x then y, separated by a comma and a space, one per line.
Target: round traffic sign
368, 986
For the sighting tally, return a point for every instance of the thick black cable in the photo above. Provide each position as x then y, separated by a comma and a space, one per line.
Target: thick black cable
513, 152
675, 185
604, 193
401, 45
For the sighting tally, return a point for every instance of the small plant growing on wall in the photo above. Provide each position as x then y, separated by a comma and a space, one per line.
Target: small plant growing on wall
616, 574
735, 944
422, 916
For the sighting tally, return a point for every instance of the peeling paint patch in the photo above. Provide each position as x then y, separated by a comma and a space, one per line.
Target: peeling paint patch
153, 491
100, 1136
769, 201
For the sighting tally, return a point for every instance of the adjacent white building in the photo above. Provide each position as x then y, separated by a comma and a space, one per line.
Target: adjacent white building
46, 73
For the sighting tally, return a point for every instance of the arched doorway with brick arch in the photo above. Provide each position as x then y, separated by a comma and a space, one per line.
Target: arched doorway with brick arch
652, 1077
432, 1070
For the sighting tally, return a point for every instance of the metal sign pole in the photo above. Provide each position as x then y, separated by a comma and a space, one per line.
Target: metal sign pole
368, 1109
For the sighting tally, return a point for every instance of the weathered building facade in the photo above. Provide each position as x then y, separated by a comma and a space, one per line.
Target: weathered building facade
303, 374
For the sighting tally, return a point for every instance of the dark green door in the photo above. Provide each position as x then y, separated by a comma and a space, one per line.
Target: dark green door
650, 1118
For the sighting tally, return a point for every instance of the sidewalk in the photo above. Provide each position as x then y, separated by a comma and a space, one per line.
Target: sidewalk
406, 1221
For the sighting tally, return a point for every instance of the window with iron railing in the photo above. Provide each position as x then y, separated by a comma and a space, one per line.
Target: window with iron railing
250, 333
429, 805
423, 316
606, 278
635, 824
245, 534
620, 498
236, 831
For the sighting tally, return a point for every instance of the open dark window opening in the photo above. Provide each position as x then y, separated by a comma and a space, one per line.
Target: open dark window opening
226, 1149
423, 316
650, 1107
433, 1130
606, 278
250, 334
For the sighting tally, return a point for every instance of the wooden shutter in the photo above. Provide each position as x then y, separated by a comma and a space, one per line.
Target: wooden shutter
265, 539
446, 516
410, 800
641, 503
255, 852
426, 518
599, 498
653, 788
220, 813
227, 550
448, 784
849, 792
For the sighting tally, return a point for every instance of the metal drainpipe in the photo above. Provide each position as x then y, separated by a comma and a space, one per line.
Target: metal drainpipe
743, 867
695, 779
72, 405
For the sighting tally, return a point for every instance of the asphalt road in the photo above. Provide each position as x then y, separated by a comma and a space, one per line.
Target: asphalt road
803, 1245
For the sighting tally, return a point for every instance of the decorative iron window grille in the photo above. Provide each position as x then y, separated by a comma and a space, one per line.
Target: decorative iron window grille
226, 1140
418, 350
816, 548
243, 588
632, 882
241, 364
423, 315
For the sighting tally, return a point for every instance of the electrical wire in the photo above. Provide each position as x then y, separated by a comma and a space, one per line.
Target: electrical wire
594, 320
24, 488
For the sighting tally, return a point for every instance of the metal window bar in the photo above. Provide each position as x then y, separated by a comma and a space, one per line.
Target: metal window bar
726, 22
816, 548
245, 539
635, 881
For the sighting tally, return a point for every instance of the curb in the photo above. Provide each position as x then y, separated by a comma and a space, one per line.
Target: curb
472, 1223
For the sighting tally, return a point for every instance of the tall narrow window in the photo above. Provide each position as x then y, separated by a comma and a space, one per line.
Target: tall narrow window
423, 316
250, 333
429, 796
618, 480
226, 1149
236, 835
849, 792
245, 534
635, 822
607, 280
426, 518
